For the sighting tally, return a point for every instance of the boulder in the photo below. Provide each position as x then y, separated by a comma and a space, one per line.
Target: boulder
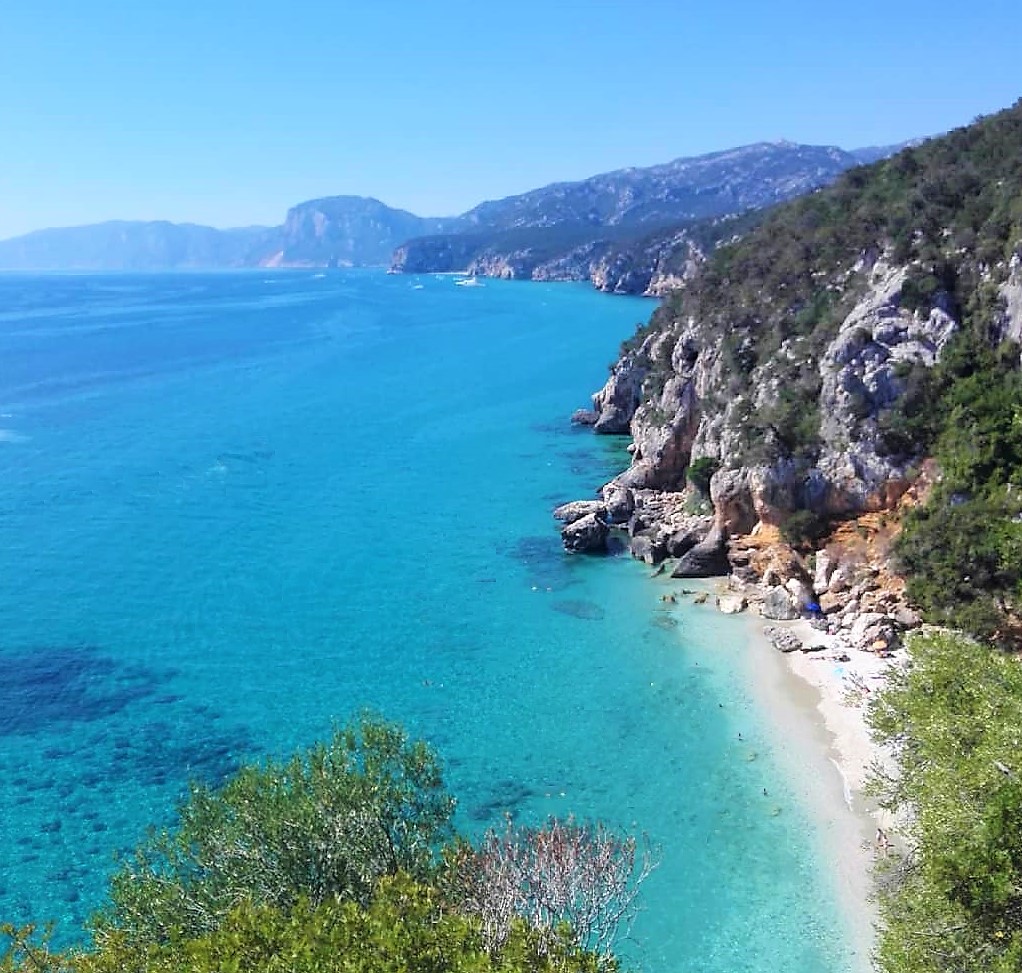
577, 509
865, 626
779, 605
647, 547
825, 567
832, 601
587, 535
731, 604
871, 630
841, 579
682, 541
585, 417
782, 640
906, 617
619, 501
708, 559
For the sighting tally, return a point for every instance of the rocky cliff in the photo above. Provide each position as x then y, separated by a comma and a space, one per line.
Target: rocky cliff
344, 231
789, 381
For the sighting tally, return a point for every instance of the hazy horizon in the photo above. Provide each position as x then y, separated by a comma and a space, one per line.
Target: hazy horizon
225, 117
271, 225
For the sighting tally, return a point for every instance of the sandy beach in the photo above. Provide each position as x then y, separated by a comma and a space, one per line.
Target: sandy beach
816, 703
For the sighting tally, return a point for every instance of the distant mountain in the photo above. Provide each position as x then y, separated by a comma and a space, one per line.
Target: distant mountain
345, 231
628, 230
749, 177
127, 245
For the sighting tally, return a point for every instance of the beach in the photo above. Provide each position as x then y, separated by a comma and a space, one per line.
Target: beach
815, 704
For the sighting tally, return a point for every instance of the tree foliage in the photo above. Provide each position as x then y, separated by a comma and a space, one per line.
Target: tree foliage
343, 860
326, 824
954, 719
405, 926
962, 551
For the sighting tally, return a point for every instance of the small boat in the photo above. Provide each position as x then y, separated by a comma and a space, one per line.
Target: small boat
469, 282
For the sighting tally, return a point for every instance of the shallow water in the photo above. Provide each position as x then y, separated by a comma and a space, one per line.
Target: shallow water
236, 508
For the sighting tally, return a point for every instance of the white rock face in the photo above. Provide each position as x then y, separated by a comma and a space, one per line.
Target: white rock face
1011, 294
801, 593
825, 566
862, 373
779, 605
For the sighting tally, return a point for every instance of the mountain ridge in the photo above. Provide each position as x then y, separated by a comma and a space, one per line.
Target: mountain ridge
858, 353
349, 230
661, 204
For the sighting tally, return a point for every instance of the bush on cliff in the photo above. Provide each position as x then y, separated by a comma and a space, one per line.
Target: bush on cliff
953, 904
962, 551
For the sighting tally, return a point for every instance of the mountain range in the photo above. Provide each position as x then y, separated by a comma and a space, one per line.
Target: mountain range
621, 229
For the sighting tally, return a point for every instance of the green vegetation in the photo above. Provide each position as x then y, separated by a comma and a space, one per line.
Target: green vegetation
343, 860
950, 208
700, 472
962, 551
406, 926
954, 719
327, 824
803, 529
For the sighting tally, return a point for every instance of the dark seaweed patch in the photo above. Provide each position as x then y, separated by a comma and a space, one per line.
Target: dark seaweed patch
544, 559
506, 797
578, 608
49, 685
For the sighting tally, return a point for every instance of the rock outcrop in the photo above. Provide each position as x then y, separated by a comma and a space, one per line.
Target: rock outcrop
586, 535
783, 387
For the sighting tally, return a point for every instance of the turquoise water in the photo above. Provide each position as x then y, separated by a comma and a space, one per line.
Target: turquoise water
236, 508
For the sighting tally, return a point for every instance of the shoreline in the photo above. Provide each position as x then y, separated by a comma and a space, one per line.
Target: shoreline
825, 749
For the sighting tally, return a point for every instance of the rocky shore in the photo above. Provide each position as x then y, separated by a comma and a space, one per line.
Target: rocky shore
845, 586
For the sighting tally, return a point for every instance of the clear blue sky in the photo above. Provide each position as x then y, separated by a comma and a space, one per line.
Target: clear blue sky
227, 112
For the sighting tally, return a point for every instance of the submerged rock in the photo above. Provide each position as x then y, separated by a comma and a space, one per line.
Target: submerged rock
578, 608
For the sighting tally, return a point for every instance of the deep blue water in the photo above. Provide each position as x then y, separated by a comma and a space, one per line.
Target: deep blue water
236, 508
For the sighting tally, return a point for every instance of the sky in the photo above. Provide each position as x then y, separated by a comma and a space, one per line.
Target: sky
226, 112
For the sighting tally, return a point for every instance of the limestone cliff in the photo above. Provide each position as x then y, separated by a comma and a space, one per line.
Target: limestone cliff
790, 373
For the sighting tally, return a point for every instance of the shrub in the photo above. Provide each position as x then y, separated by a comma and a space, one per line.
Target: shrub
954, 903
700, 471
804, 529
329, 823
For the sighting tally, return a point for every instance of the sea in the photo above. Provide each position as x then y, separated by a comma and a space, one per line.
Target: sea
236, 509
